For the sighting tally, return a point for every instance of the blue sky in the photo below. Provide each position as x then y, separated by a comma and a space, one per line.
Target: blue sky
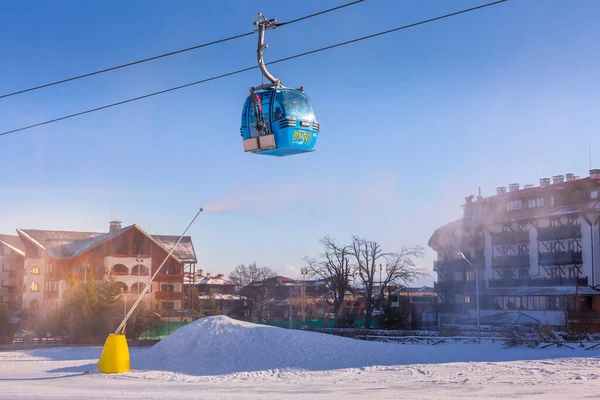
411, 122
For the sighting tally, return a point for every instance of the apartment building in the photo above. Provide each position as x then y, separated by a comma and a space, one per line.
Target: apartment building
534, 249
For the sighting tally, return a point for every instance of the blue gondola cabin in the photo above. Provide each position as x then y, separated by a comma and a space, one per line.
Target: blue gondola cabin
286, 123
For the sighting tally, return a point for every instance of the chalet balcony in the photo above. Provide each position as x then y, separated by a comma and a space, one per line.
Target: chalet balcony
456, 264
168, 278
167, 295
559, 232
477, 241
457, 286
561, 258
510, 237
510, 261
506, 283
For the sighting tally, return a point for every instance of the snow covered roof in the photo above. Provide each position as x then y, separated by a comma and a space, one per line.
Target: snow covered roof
509, 318
206, 280
184, 251
541, 291
14, 243
424, 289
222, 296
68, 244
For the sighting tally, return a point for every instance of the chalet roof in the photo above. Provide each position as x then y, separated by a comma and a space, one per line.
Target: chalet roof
14, 243
68, 244
184, 251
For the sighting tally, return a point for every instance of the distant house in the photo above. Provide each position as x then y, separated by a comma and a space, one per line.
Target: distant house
420, 303
215, 288
308, 298
41, 263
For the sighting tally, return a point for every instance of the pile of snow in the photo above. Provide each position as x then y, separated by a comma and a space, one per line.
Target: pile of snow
221, 345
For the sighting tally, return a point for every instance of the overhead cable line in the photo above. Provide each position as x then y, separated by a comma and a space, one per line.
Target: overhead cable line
174, 52
239, 71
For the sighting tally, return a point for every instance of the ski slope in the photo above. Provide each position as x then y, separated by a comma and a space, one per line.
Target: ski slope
221, 358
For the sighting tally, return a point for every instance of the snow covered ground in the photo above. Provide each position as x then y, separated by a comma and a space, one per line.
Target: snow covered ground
219, 358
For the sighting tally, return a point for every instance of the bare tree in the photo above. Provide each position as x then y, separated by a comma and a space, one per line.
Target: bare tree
400, 268
247, 280
334, 266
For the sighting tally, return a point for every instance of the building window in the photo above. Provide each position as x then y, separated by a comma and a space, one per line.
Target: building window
552, 201
120, 269
594, 195
170, 270
523, 250
514, 205
522, 227
140, 269
5, 267
467, 299
138, 287
535, 203
555, 223
574, 221
121, 286
35, 304
587, 303
523, 274
507, 228
51, 286
167, 305
49, 269
34, 287
35, 270
167, 288
574, 245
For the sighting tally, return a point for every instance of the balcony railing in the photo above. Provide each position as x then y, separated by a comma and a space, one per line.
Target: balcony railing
167, 295
559, 232
560, 258
510, 237
456, 264
169, 278
510, 261
504, 283
457, 286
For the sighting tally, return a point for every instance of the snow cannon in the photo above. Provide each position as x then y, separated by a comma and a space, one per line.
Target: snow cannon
115, 354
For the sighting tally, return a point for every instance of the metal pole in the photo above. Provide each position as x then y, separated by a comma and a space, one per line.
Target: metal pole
133, 307
290, 307
476, 294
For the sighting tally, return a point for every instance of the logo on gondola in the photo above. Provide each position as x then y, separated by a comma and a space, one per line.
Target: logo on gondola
301, 137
